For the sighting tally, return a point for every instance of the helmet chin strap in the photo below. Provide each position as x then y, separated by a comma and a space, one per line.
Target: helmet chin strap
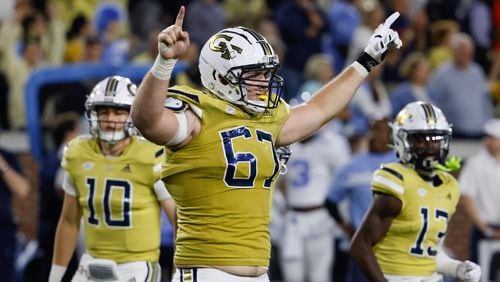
112, 137
247, 104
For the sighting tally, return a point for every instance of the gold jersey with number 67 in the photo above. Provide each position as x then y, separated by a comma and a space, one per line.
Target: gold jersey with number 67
222, 181
410, 246
121, 214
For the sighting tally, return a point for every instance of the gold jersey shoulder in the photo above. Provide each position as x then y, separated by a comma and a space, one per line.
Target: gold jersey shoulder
409, 248
121, 215
224, 177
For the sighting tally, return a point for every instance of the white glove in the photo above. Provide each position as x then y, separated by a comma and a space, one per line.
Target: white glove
379, 41
382, 37
469, 271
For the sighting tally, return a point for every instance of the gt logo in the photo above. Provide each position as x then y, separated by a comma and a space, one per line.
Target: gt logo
403, 117
220, 42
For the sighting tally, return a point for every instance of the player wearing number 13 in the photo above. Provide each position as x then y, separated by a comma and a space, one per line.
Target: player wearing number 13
401, 235
222, 164
112, 181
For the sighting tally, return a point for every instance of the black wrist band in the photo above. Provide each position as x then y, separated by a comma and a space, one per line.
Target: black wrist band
367, 61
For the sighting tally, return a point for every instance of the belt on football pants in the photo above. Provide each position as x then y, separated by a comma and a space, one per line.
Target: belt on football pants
306, 209
189, 274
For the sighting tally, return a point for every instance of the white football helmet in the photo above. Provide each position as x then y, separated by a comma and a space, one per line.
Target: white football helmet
421, 135
230, 53
113, 91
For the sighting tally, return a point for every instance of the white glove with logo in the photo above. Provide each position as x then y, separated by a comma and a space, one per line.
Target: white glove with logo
469, 271
378, 43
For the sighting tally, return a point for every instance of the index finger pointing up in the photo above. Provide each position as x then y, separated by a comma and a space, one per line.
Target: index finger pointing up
180, 17
389, 21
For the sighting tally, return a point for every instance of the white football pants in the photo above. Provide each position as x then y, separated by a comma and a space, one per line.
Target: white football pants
307, 249
212, 275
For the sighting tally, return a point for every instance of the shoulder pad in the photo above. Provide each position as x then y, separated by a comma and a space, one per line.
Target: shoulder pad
392, 171
174, 104
74, 146
85, 136
388, 179
79, 140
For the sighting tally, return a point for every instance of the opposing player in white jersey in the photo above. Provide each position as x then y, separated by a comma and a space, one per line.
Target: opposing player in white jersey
307, 249
112, 185
278, 211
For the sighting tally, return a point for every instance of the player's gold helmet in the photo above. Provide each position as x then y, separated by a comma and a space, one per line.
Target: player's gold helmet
421, 135
227, 55
115, 92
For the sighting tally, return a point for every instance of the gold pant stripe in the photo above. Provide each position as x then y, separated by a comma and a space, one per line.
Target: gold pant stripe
153, 272
189, 274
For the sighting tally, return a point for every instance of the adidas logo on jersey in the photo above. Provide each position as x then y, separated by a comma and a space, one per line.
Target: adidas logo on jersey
448, 196
126, 168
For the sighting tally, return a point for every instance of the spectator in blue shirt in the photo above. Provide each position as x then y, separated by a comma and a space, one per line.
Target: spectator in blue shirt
460, 90
416, 70
343, 19
352, 183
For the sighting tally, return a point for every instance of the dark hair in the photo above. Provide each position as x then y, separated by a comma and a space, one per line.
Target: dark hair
77, 25
29, 39
29, 20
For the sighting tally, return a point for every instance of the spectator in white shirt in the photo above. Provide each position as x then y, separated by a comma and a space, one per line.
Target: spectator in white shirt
479, 181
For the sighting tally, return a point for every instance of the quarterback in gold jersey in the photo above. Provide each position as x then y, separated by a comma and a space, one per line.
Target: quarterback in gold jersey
113, 185
222, 164
401, 236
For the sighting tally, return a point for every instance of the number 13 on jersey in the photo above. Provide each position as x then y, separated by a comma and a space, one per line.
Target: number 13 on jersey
418, 248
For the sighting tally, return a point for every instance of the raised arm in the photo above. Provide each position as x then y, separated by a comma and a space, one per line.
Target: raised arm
307, 118
374, 227
148, 113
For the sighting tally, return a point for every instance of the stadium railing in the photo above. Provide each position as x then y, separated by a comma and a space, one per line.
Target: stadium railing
66, 74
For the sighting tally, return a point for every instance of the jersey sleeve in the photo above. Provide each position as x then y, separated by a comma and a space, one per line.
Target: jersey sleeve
183, 97
67, 183
68, 186
388, 180
159, 161
161, 191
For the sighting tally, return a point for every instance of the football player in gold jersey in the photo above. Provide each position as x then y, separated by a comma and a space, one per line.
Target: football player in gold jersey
112, 184
401, 235
222, 164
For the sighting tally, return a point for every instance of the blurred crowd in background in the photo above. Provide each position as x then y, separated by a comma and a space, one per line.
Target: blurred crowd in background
450, 57
40, 33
